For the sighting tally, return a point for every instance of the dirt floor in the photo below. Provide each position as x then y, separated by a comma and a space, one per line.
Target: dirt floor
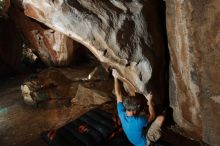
21, 125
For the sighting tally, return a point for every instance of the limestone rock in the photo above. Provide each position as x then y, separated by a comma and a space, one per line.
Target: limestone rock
125, 35
114, 31
193, 29
54, 48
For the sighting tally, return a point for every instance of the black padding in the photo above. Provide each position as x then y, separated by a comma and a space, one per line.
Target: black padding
105, 114
99, 125
66, 138
101, 119
96, 135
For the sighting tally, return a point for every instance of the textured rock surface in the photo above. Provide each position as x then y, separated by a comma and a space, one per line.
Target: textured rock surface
194, 42
114, 31
54, 48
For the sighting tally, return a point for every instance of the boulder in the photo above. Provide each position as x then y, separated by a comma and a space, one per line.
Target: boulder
116, 32
194, 43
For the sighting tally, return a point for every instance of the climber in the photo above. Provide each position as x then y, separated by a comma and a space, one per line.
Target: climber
132, 122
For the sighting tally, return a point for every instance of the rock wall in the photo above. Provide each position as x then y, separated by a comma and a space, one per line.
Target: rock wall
193, 29
54, 48
116, 32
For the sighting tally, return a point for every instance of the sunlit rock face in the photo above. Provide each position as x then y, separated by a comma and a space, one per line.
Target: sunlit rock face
194, 43
115, 32
54, 48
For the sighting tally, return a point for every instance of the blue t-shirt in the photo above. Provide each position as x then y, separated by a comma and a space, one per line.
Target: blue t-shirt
133, 126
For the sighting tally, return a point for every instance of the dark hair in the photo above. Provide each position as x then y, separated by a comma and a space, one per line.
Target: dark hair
133, 103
